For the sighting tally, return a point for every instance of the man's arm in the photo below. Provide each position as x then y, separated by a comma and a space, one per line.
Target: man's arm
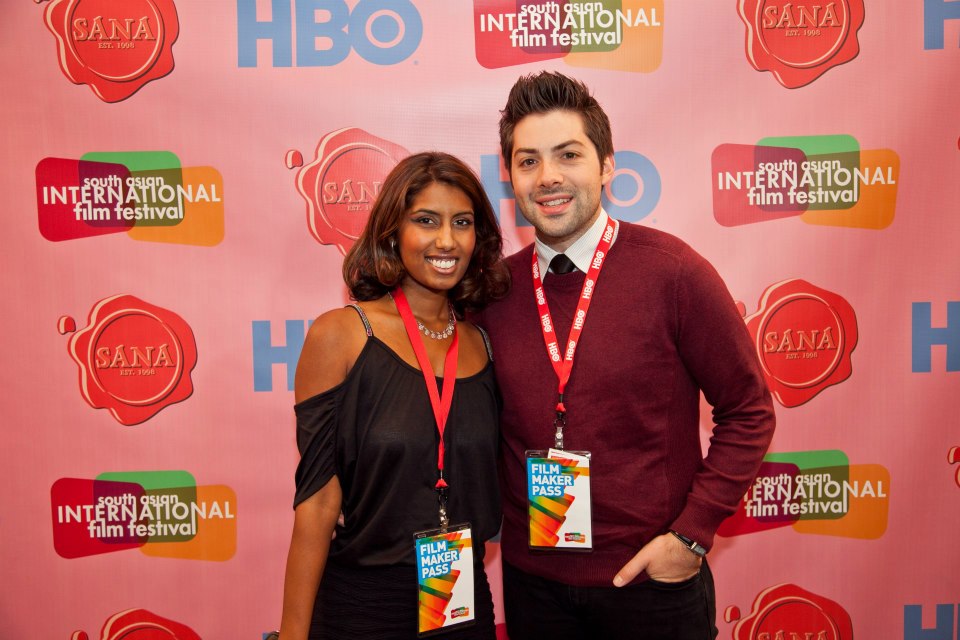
717, 351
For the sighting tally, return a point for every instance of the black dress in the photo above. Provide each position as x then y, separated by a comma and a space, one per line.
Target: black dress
376, 432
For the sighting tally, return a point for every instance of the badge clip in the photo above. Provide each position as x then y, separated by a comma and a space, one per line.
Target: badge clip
559, 423
442, 494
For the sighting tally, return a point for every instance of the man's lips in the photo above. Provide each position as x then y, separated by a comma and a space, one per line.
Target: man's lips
553, 203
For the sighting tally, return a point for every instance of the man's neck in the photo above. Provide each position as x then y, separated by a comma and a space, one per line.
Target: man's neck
579, 250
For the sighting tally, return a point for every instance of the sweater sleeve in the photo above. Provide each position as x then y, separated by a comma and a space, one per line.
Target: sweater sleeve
717, 350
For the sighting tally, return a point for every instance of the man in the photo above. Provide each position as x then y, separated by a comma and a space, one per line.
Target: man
646, 337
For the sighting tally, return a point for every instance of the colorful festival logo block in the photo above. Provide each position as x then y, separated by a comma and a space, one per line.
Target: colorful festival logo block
148, 195
800, 41
115, 46
621, 35
140, 624
822, 180
162, 513
804, 337
814, 492
342, 182
134, 358
788, 611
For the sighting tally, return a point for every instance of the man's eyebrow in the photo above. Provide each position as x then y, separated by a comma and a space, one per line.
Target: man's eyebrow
558, 147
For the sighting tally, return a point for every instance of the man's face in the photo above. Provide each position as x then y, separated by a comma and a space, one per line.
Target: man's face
557, 176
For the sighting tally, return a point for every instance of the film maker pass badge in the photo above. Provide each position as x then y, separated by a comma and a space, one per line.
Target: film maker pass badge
134, 358
115, 46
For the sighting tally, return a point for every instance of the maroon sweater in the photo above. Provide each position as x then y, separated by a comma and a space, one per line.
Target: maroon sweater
661, 328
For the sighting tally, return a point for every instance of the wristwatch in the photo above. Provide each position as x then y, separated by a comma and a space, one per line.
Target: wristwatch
692, 545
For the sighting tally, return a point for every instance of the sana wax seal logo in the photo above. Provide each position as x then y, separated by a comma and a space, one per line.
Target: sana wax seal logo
342, 182
140, 624
115, 46
804, 336
800, 41
135, 358
789, 611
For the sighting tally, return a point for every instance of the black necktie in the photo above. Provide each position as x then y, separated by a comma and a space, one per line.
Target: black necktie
562, 264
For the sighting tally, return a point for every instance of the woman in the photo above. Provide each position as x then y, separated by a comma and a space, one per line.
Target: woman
367, 426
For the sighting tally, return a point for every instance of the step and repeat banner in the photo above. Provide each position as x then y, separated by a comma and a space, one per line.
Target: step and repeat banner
183, 177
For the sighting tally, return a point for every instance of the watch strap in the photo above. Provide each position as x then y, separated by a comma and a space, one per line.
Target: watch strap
694, 546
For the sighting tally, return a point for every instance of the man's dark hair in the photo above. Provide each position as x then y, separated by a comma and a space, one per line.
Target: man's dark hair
551, 91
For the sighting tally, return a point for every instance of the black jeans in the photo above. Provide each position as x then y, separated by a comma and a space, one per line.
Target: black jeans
537, 608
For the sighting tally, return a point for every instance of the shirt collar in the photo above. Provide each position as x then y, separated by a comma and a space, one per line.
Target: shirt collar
582, 249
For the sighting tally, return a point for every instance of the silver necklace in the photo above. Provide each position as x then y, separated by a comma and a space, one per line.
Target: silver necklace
441, 335
437, 335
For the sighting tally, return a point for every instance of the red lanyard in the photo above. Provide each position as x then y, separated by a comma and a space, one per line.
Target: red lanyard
441, 405
563, 362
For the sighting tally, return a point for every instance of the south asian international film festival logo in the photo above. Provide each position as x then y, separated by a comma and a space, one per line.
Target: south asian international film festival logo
622, 35
342, 182
140, 624
789, 612
814, 492
822, 180
115, 46
164, 514
148, 195
800, 41
134, 358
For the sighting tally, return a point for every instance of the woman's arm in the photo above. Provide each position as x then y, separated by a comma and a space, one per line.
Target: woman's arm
330, 348
313, 524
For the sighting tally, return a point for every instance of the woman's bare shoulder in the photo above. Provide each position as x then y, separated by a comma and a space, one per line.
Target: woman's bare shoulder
332, 345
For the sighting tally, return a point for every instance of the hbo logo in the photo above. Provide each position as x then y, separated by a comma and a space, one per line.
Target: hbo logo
380, 31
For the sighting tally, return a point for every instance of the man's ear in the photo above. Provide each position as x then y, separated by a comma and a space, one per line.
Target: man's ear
606, 170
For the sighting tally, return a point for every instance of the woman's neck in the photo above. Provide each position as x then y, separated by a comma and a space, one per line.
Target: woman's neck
427, 305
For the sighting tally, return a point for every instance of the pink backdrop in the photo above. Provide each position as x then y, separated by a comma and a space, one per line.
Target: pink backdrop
241, 270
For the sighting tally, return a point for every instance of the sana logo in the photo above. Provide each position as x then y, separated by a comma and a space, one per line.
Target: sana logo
788, 611
342, 182
953, 457
804, 336
140, 624
800, 41
115, 46
134, 358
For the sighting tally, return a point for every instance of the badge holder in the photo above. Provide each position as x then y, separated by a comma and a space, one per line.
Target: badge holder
445, 582
559, 514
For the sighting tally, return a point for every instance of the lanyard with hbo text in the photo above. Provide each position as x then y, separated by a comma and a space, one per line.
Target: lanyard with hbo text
441, 405
563, 363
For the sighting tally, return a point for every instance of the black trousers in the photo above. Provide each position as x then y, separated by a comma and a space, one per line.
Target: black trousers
538, 608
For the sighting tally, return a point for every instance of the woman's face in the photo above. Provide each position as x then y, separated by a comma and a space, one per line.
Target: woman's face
437, 237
